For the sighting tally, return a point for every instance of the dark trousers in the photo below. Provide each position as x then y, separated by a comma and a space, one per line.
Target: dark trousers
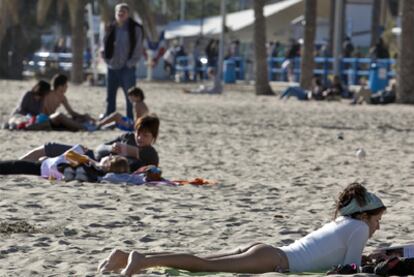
124, 78
15, 167
53, 149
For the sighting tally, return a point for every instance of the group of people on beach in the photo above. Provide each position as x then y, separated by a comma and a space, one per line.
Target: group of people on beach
336, 90
357, 217
38, 109
340, 242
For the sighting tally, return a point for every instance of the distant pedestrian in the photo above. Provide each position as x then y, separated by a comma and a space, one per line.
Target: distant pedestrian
212, 56
198, 66
122, 51
289, 64
169, 59
379, 51
347, 48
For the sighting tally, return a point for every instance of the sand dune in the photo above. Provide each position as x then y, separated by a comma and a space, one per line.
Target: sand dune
279, 166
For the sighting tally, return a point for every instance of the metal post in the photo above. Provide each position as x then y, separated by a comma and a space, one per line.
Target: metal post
182, 17
202, 17
218, 87
338, 35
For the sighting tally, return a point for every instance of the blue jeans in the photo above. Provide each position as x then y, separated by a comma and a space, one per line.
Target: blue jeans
124, 78
298, 92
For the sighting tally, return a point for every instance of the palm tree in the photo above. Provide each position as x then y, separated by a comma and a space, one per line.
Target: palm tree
405, 81
307, 64
15, 31
76, 14
148, 19
262, 81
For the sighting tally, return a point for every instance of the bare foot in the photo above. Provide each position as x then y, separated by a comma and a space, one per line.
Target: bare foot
117, 260
134, 263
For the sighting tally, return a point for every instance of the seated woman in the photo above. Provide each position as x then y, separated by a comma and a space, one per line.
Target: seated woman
302, 94
68, 166
335, 91
135, 146
386, 96
339, 242
29, 107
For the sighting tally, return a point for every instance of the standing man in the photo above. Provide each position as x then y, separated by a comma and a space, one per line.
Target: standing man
122, 51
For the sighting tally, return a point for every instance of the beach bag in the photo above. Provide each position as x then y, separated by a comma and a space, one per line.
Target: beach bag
395, 266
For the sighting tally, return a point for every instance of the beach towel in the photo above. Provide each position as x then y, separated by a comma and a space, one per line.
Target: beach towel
142, 178
166, 271
195, 181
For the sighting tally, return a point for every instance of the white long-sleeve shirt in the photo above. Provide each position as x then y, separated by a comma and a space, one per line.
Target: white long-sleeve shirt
338, 242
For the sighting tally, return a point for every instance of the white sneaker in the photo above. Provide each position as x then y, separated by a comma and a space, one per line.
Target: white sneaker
68, 174
81, 175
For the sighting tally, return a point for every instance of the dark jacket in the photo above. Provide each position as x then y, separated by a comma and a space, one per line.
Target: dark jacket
109, 39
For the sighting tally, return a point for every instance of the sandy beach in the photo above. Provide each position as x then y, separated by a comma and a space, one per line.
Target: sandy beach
279, 166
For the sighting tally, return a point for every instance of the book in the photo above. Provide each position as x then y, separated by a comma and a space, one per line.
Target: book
404, 251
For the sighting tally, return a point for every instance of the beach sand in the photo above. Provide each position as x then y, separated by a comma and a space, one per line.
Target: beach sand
279, 166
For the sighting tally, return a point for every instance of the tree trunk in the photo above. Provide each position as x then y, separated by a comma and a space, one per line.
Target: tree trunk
104, 11
12, 40
148, 18
42, 9
76, 11
405, 81
262, 81
307, 64
375, 21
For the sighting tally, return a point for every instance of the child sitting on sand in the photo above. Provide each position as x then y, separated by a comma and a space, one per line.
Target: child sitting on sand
71, 165
339, 242
136, 97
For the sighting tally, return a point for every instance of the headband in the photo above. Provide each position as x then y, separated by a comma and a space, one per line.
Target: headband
372, 202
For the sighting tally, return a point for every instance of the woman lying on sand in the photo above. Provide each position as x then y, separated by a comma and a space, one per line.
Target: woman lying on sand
135, 146
68, 166
357, 216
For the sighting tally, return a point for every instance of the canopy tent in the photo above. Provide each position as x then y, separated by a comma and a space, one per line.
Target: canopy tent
240, 24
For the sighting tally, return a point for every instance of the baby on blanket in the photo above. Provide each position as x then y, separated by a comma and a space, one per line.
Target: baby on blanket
145, 174
111, 168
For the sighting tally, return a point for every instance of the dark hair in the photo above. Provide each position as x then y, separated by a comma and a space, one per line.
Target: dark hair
149, 123
355, 191
59, 80
318, 80
41, 88
136, 91
118, 164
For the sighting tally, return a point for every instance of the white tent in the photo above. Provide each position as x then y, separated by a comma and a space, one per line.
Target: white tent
240, 24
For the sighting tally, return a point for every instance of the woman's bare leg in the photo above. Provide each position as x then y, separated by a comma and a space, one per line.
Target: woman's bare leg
260, 258
118, 259
34, 155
